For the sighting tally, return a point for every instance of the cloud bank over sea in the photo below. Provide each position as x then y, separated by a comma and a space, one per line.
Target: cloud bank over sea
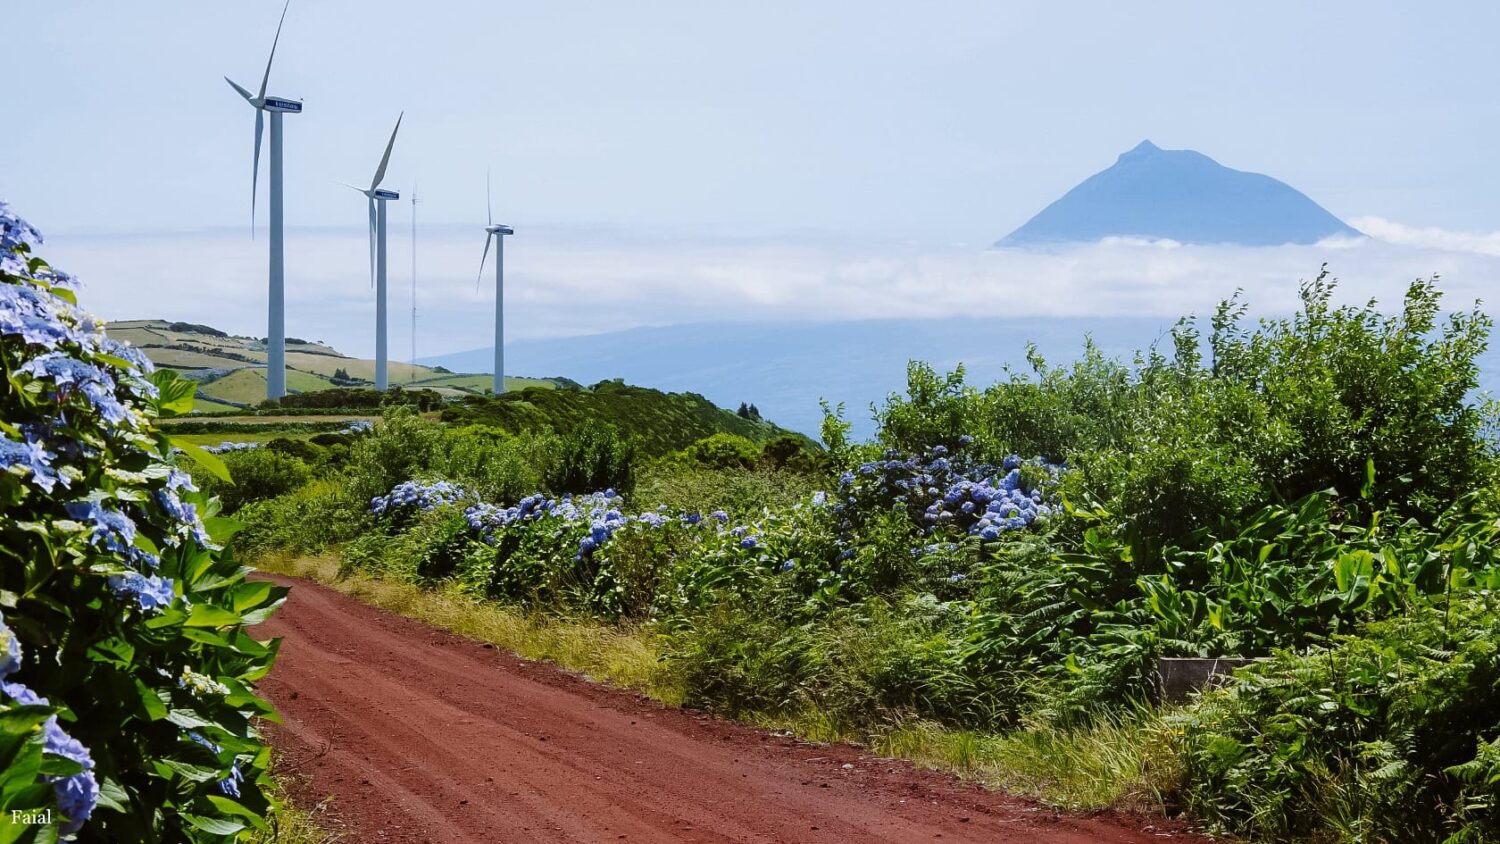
569, 280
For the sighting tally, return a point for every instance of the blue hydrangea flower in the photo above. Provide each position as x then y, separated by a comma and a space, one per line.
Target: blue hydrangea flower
33, 457
112, 529
151, 592
230, 785
76, 794
15, 231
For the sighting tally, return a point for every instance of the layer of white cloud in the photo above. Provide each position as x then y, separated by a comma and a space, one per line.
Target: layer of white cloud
568, 281
1477, 243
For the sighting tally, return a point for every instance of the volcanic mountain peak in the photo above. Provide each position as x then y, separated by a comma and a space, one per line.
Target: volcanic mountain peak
1180, 195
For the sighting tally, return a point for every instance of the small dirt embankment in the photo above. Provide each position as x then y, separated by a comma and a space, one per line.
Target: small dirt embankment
420, 736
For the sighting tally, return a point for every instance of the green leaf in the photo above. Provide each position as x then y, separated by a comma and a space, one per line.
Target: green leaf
59, 766
221, 528
195, 773
212, 463
188, 719
214, 826
152, 701
208, 615
174, 393
112, 796
229, 807
113, 650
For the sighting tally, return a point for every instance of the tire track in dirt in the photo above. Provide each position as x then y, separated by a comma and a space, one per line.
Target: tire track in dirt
418, 735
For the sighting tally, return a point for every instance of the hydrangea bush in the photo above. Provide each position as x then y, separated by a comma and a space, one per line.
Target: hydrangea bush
127, 707
588, 553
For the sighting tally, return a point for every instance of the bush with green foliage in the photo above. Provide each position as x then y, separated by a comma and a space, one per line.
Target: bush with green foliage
590, 458
722, 451
258, 473
128, 704
1389, 735
1294, 406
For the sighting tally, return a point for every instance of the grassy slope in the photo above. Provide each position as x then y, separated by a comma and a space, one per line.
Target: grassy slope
480, 383
203, 405
309, 365
660, 422
248, 386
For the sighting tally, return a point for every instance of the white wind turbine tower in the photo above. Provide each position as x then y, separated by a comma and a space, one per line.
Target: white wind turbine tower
276, 318
498, 233
414, 282
378, 197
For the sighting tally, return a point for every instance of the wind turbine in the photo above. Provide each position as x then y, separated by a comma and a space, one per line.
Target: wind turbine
498, 233
276, 317
378, 197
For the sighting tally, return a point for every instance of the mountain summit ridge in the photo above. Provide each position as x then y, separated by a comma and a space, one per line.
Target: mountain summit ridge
1180, 195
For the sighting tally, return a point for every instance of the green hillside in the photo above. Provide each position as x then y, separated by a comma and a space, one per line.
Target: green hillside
659, 422
230, 369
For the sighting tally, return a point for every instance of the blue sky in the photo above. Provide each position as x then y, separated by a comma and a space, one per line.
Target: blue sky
861, 127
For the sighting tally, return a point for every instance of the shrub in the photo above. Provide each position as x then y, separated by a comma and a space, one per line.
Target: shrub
258, 473
589, 458
723, 451
128, 699
1387, 736
1175, 444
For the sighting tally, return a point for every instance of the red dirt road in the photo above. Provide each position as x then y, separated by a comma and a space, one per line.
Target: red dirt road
422, 736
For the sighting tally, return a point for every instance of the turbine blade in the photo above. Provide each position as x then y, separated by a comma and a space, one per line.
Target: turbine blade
489, 204
241, 91
386, 159
478, 282
372, 241
260, 125
264, 80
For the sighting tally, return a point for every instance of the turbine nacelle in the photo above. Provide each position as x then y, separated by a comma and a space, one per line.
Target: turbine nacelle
282, 105
501, 230
384, 193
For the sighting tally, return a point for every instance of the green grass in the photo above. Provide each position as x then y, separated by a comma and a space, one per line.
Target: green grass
1126, 763
298, 825
620, 656
211, 406
248, 386
482, 382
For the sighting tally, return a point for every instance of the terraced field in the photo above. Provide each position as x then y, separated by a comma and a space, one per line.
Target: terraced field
230, 369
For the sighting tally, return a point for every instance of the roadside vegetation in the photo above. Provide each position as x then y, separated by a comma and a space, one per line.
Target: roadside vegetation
986, 586
989, 583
